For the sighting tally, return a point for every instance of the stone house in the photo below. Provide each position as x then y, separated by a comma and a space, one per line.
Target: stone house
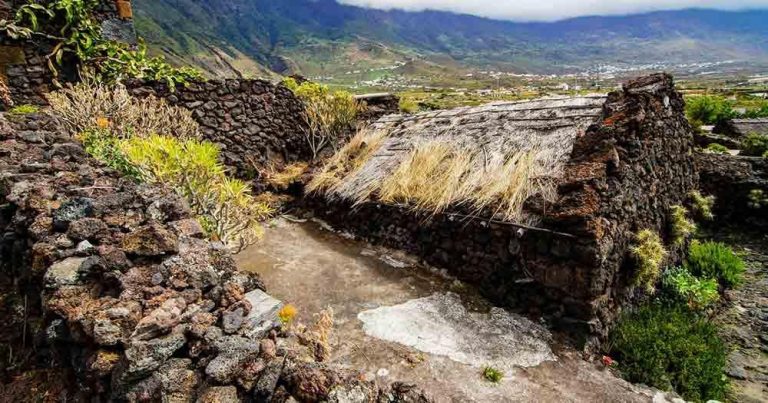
603, 168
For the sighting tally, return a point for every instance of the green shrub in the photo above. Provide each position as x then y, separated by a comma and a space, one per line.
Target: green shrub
408, 105
755, 144
715, 148
492, 374
329, 114
122, 62
702, 205
708, 109
680, 226
695, 292
25, 109
77, 32
649, 253
107, 148
715, 260
225, 206
671, 348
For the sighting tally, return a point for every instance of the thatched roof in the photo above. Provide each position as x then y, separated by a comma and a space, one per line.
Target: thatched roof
490, 135
742, 127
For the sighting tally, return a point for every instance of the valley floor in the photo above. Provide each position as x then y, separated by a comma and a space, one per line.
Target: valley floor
445, 333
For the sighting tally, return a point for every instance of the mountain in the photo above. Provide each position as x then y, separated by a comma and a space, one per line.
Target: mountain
324, 38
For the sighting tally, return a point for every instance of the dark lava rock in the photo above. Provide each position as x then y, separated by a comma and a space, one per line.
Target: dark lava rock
87, 229
150, 240
72, 210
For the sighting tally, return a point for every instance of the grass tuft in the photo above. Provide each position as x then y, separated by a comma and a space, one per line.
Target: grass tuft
347, 160
649, 253
492, 374
25, 109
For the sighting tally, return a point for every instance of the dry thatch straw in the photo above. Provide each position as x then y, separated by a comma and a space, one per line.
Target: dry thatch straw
285, 177
489, 159
347, 160
430, 179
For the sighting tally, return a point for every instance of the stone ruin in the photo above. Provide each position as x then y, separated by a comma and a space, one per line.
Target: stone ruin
621, 162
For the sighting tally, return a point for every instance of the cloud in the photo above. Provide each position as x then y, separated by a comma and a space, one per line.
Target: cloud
549, 10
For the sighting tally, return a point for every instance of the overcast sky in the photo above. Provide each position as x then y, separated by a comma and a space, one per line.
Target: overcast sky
548, 10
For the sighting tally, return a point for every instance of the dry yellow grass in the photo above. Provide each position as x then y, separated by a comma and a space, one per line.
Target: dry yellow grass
505, 187
435, 175
347, 160
430, 178
283, 178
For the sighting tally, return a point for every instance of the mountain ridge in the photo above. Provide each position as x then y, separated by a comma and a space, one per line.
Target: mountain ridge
309, 36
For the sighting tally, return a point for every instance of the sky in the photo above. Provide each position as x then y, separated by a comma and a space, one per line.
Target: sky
551, 10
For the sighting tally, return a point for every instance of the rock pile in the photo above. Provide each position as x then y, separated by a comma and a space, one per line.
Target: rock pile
119, 284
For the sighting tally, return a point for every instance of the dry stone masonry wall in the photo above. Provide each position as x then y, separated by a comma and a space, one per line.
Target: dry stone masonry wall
112, 285
24, 63
623, 174
253, 121
740, 187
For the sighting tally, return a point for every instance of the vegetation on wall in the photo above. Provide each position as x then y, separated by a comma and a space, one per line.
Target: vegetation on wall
702, 205
757, 199
72, 27
649, 253
224, 206
680, 226
671, 348
25, 109
121, 132
697, 293
717, 148
329, 114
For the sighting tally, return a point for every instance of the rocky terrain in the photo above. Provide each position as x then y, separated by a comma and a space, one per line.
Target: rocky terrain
109, 291
745, 318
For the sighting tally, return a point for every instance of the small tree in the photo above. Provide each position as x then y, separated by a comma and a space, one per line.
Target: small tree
329, 114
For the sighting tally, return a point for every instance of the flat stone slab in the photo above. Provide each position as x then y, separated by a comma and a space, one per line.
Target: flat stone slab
264, 310
441, 325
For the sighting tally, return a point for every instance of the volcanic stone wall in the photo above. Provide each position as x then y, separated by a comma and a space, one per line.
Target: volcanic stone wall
24, 63
740, 187
253, 121
111, 288
624, 174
